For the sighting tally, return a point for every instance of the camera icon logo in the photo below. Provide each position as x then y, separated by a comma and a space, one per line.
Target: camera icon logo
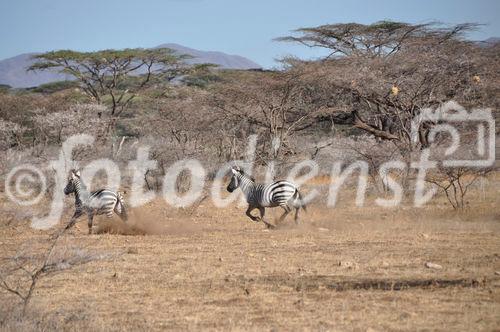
453, 119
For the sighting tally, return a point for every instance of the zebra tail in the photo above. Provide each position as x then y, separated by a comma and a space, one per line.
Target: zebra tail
122, 211
301, 201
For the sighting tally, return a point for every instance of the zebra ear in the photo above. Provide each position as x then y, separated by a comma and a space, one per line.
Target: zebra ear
75, 172
236, 169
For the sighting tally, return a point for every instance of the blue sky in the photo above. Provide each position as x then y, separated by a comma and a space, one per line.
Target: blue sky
232, 26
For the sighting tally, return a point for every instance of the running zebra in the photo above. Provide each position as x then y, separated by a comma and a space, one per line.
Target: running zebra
259, 196
102, 201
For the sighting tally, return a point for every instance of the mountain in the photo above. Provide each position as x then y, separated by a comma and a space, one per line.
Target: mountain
13, 70
224, 60
492, 41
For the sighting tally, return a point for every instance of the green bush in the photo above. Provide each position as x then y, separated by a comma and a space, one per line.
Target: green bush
55, 87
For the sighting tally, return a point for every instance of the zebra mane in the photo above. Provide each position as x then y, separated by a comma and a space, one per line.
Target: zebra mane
242, 172
75, 172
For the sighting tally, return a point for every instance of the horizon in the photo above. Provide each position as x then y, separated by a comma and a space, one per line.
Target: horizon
37, 25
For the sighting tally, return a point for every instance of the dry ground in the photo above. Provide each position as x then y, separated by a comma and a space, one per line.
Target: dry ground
341, 269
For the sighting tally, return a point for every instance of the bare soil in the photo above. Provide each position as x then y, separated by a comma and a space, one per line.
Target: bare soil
346, 268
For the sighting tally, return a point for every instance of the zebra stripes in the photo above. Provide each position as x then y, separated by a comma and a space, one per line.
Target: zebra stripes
259, 196
102, 201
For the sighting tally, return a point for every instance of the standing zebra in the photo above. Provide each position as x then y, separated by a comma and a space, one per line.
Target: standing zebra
102, 201
259, 196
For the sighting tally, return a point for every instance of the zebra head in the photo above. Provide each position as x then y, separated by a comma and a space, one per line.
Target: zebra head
235, 182
238, 175
73, 178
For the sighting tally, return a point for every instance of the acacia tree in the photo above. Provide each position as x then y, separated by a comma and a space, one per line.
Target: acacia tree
383, 74
380, 39
115, 76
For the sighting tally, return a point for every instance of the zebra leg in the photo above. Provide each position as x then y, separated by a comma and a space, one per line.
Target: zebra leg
250, 209
287, 211
90, 221
262, 211
76, 215
297, 215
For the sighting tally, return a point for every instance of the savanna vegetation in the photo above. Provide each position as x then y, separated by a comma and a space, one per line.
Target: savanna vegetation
371, 86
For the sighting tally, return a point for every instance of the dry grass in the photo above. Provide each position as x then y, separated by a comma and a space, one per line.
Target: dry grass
342, 269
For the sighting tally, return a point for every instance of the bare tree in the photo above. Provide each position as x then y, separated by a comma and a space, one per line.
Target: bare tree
456, 181
55, 127
275, 105
21, 273
10, 134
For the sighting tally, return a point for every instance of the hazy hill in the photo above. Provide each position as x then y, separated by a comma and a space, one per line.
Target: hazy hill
492, 41
224, 60
13, 70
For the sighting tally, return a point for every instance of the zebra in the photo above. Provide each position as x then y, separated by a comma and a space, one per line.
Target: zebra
259, 196
102, 201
